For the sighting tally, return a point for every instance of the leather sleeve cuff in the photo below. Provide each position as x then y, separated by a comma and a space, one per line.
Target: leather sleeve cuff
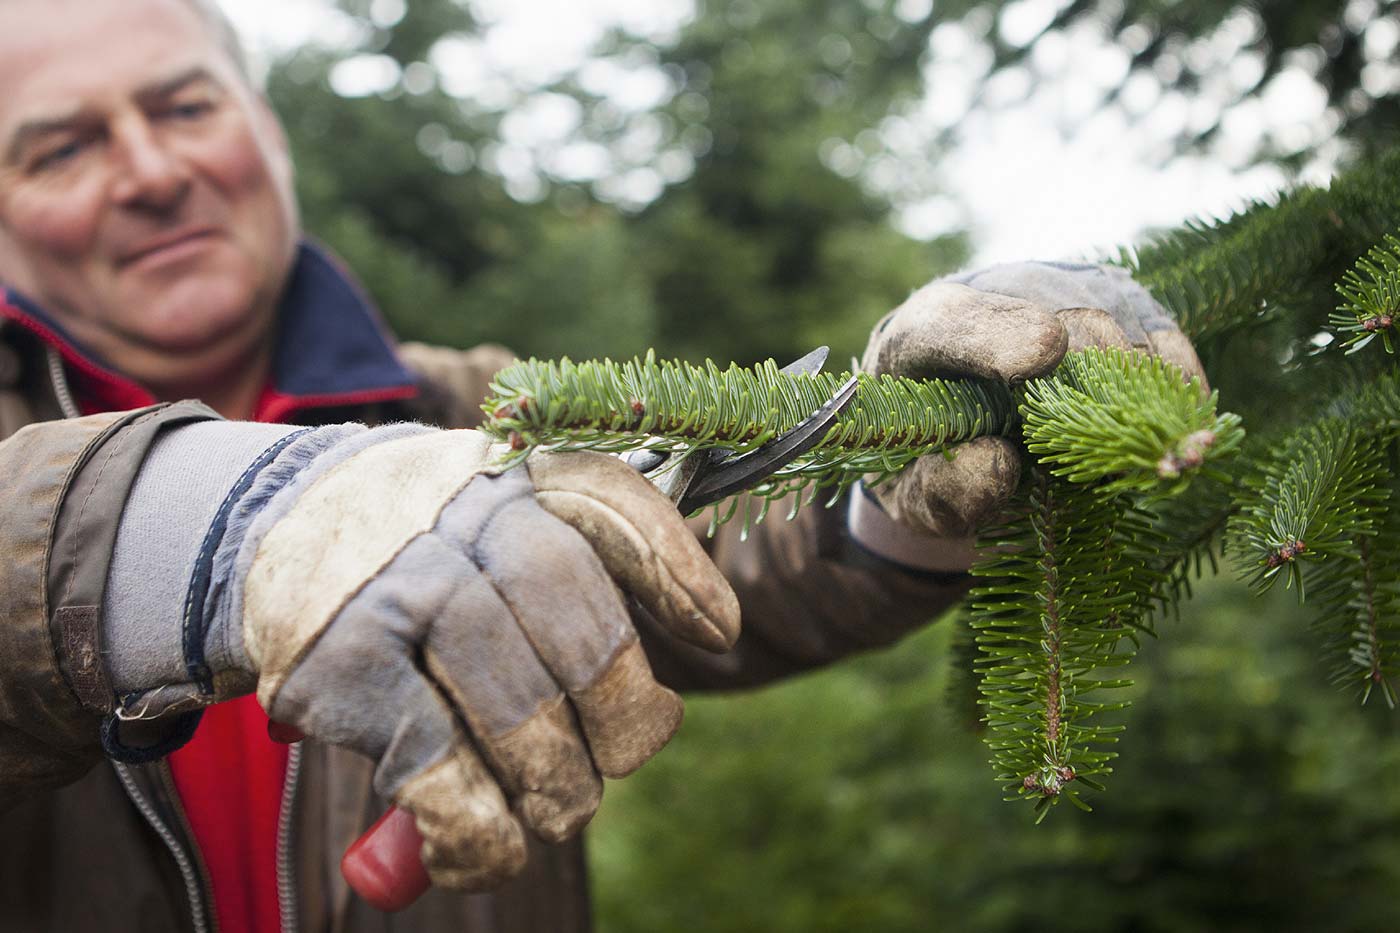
83, 540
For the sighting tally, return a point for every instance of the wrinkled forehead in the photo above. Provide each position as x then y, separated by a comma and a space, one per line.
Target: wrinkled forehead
58, 56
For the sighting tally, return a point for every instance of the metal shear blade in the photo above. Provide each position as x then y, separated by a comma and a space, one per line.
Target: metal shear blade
707, 476
646, 461
722, 478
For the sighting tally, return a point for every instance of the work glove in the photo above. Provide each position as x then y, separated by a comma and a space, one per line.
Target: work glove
396, 592
1007, 323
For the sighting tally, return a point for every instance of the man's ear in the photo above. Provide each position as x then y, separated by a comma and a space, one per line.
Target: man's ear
278, 151
12, 268
271, 129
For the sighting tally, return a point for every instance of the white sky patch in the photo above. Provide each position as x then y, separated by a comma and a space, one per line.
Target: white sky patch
543, 119
1021, 21
1028, 193
630, 85
274, 27
364, 75
579, 161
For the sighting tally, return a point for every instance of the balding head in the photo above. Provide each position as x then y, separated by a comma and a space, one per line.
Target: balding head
212, 14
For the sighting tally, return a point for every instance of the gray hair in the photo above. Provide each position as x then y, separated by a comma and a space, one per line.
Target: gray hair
212, 14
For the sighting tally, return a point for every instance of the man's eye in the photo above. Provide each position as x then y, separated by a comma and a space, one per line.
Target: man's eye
58, 155
191, 110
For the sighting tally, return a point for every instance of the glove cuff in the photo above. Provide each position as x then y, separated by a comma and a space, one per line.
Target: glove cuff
173, 504
171, 591
875, 531
173, 602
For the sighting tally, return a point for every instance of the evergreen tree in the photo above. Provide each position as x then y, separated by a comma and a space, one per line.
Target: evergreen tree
1107, 525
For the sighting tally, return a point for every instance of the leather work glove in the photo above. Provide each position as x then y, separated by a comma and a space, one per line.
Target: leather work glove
1010, 323
393, 591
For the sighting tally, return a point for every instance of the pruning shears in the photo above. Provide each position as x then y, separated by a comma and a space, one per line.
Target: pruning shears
709, 475
383, 864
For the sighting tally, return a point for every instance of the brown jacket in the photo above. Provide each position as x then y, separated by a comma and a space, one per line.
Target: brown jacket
89, 845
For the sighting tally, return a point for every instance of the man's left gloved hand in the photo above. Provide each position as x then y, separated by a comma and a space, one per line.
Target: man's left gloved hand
397, 592
1008, 323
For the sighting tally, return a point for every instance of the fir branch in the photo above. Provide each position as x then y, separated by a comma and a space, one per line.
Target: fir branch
1127, 420
1074, 574
677, 407
1364, 205
962, 692
1370, 294
1188, 529
1359, 611
602, 405
1060, 595
1113, 415
1309, 500
1358, 598
1270, 260
1319, 507
1371, 404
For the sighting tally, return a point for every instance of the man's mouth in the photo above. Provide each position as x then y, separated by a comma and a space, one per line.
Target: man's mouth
168, 247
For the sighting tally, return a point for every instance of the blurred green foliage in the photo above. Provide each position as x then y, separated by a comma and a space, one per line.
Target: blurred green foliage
1252, 796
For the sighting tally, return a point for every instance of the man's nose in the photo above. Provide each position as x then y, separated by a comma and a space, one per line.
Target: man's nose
149, 175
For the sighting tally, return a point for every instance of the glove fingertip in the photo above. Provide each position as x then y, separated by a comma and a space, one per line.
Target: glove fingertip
627, 716
708, 620
952, 498
558, 790
1093, 327
1035, 350
643, 542
471, 840
1175, 347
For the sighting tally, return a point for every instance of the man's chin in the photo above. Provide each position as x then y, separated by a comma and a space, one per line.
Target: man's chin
216, 336
198, 320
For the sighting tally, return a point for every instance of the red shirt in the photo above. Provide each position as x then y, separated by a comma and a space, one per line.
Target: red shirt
230, 778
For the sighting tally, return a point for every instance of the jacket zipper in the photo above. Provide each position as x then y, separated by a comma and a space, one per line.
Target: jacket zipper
286, 869
194, 887
59, 379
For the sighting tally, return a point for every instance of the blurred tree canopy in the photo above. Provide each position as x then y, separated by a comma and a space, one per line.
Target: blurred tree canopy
1229, 51
760, 250
413, 184
731, 218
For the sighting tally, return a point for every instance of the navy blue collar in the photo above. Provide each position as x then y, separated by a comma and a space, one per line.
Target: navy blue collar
332, 340
332, 346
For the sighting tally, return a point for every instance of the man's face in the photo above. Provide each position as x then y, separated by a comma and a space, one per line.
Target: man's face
145, 189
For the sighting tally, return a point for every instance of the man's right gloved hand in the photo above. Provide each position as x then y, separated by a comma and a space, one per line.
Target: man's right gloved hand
1007, 323
393, 591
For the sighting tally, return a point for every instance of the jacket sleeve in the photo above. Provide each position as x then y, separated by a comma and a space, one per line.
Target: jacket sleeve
454, 383
65, 484
809, 594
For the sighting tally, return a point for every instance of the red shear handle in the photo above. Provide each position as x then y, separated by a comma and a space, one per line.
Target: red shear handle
383, 866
